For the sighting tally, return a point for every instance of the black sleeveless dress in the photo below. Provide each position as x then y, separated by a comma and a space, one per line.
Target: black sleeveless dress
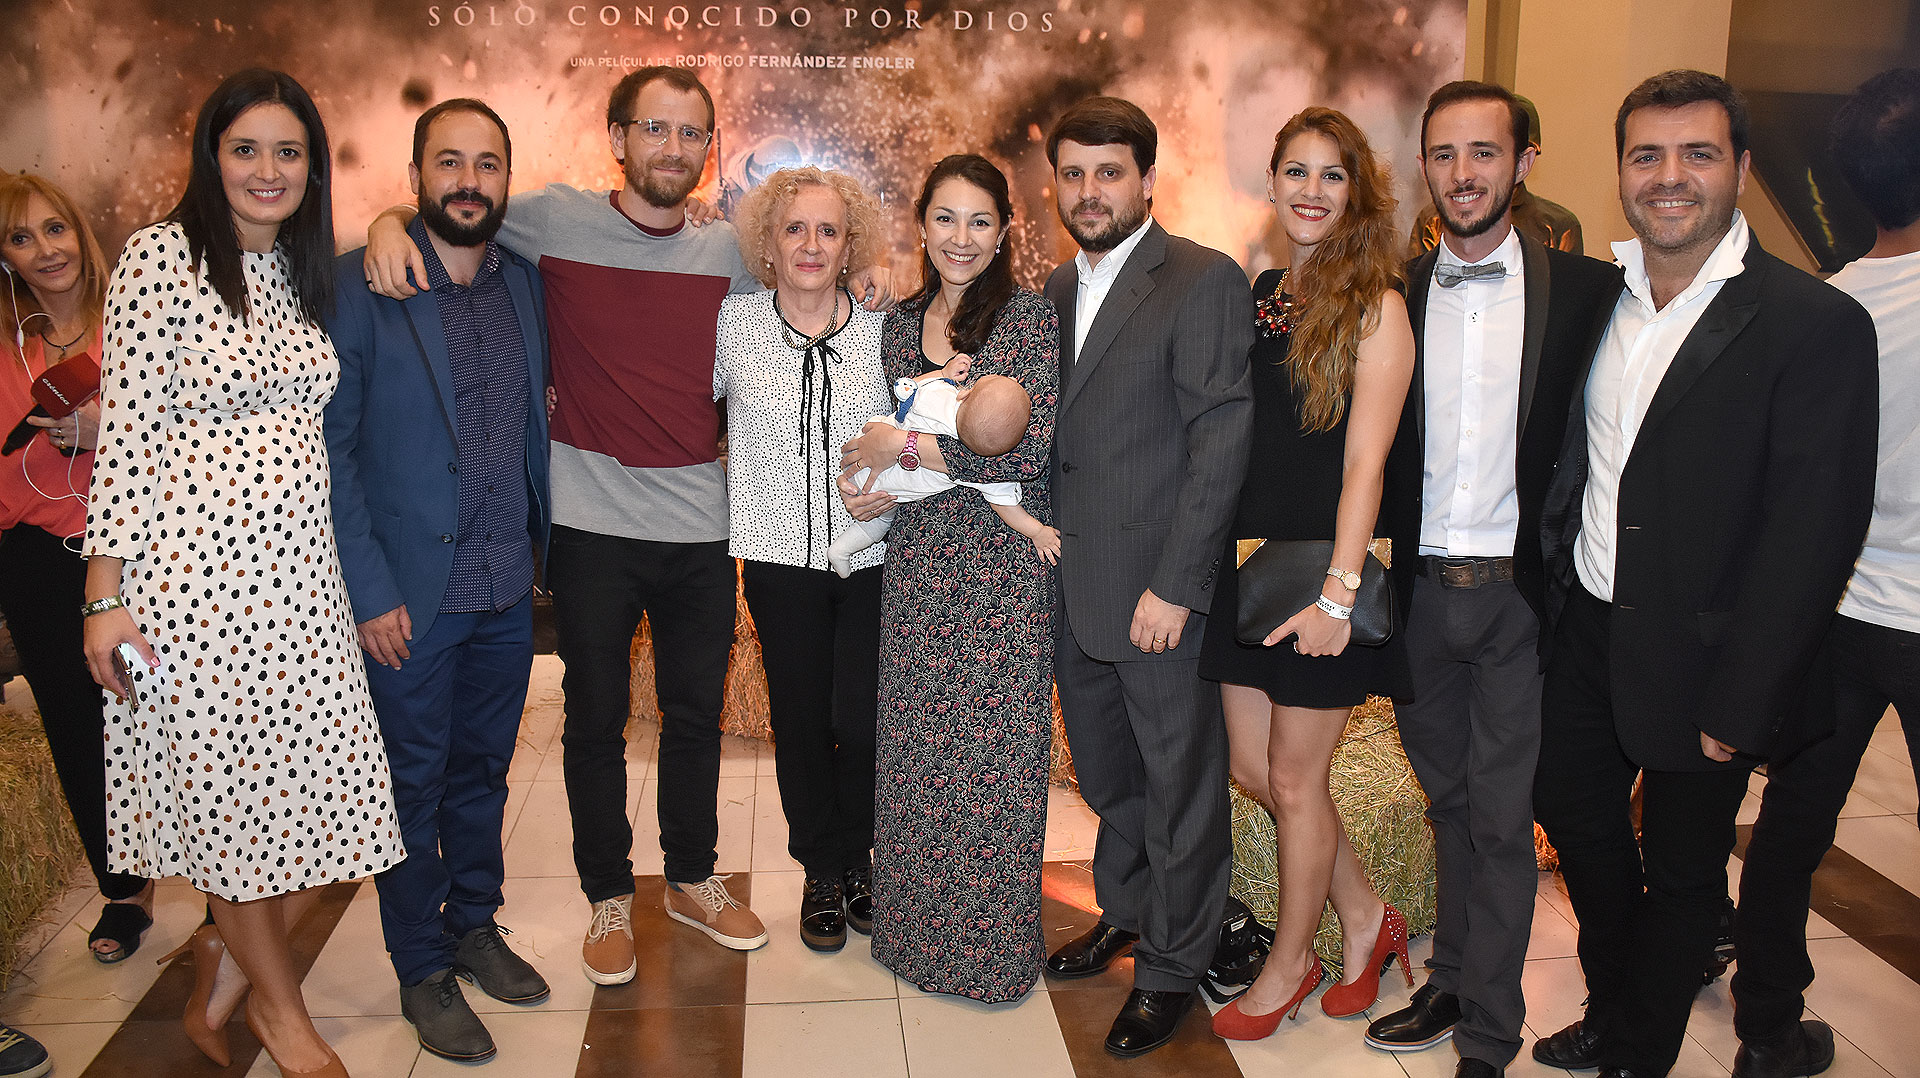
1292, 491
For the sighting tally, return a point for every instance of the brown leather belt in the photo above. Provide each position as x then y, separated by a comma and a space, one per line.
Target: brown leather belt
1464, 572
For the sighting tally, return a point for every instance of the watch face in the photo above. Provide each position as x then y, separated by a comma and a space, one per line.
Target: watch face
1351, 580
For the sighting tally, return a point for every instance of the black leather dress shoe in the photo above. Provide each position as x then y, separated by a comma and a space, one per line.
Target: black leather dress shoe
857, 885
1799, 1050
1573, 1048
1147, 1021
1426, 1020
1092, 951
1469, 1067
823, 925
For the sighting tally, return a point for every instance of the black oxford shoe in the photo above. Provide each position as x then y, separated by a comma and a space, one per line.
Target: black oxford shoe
1147, 1021
1799, 1050
1469, 1067
1426, 1020
1573, 1048
1092, 951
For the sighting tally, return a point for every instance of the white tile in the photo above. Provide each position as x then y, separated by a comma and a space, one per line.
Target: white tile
787, 971
71, 1045
1867, 1001
769, 827
1710, 1026
1850, 1062
64, 984
1749, 808
741, 755
734, 807
1887, 781
1071, 826
1891, 738
1888, 844
805, 1040
1555, 992
366, 1046
949, 1037
1315, 1046
541, 842
352, 977
536, 1043
1554, 935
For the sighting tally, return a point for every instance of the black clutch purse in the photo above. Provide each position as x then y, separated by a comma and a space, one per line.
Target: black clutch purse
1282, 577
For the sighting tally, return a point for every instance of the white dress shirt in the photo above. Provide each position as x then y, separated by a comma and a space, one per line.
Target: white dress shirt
1097, 281
1470, 378
1633, 359
1885, 588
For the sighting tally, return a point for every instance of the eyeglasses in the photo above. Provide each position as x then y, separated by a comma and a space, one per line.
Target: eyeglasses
655, 132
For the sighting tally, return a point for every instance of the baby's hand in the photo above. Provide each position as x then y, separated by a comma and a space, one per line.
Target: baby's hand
958, 366
1048, 544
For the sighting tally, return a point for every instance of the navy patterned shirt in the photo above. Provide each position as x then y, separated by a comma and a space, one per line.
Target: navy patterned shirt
493, 548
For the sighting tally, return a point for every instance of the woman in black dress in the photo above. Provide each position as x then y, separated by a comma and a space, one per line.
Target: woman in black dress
1330, 367
966, 641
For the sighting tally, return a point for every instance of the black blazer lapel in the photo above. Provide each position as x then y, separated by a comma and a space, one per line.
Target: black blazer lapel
1719, 324
1535, 272
423, 319
1419, 283
1132, 286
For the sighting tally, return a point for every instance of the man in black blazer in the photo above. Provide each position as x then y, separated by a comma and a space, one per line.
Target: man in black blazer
1149, 449
1713, 492
1504, 327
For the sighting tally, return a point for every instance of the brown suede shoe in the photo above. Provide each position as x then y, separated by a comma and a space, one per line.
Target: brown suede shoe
708, 907
607, 955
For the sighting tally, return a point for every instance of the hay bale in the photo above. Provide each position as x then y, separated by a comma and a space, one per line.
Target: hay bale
745, 712
39, 848
1384, 810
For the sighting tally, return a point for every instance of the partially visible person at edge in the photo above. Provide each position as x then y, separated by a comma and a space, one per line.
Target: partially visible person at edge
1871, 655
244, 753
56, 281
1332, 457
1150, 445
438, 441
799, 368
639, 492
1711, 496
1500, 324
1544, 221
966, 711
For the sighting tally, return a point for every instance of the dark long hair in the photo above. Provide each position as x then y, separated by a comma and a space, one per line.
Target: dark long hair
973, 321
204, 214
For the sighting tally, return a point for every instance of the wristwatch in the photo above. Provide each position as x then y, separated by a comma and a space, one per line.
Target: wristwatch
910, 454
1349, 581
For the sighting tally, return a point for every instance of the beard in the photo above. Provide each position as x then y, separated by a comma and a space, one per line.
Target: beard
1100, 239
1709, 223
659, 191
1498, 202
458, 232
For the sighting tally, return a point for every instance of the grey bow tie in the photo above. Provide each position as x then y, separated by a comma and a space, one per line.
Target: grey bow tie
1450, 275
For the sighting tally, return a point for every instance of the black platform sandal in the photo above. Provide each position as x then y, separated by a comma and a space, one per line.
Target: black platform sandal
122, 924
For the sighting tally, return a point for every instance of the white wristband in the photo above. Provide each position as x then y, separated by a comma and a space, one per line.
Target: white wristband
1334, 610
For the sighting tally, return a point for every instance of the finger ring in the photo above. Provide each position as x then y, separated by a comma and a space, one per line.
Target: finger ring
369, 282
1296, 647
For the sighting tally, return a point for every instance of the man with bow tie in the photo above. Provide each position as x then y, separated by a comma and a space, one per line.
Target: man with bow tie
1501, 323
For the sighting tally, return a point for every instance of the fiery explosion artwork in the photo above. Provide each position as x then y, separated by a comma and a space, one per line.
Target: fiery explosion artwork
101, 94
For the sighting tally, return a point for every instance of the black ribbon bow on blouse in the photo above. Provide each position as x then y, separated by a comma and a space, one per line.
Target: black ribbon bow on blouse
817, 363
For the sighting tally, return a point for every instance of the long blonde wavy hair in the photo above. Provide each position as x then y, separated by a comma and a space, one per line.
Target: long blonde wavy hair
1336, 296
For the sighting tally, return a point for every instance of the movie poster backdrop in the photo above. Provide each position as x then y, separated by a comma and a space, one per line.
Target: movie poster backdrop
100, 95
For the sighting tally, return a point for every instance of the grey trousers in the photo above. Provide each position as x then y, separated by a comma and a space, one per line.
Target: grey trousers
1472, 733
1150, 749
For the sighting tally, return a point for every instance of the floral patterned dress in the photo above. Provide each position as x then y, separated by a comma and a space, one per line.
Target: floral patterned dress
966, 700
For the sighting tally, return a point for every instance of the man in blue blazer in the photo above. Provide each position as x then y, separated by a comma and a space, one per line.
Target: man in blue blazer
438, 442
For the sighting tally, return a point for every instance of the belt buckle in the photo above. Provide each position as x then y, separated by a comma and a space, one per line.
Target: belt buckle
1464, 572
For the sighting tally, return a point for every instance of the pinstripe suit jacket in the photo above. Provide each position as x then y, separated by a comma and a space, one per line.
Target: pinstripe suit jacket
1150, 443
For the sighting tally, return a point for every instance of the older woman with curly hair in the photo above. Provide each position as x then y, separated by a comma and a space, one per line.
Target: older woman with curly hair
1331, 458
799, 368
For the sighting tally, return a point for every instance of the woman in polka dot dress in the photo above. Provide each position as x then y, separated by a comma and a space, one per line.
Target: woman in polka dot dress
245, 755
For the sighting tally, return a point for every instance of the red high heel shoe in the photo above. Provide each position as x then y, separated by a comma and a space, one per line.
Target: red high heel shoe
207, 948
1347, 1000
1234, 1024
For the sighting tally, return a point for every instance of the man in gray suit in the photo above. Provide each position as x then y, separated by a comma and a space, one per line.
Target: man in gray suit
1149, 450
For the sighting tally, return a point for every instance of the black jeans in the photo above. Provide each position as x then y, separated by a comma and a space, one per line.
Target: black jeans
42, 585
1649, 911
820, 643
1872, 666
602, 584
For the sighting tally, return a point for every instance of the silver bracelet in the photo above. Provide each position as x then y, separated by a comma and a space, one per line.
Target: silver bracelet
1334, 610
101, 606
